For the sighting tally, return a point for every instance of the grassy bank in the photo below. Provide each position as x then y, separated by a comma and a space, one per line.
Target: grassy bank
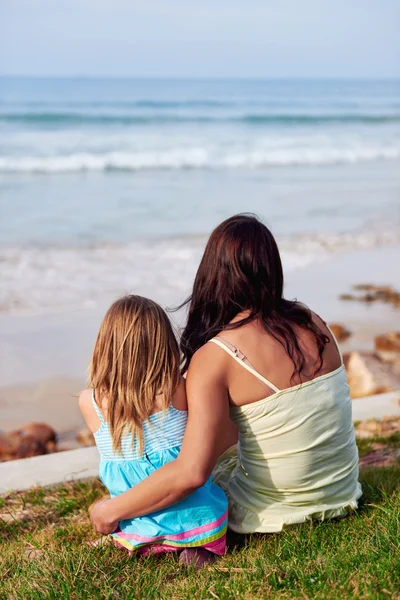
43, 554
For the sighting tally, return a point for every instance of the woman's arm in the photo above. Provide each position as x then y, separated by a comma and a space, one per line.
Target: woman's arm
204, 441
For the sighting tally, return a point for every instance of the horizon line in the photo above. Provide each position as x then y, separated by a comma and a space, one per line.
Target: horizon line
208, 77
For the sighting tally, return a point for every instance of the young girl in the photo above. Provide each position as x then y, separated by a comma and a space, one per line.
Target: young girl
136, 408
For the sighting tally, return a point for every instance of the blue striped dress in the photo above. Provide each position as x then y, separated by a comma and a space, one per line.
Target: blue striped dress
200, 520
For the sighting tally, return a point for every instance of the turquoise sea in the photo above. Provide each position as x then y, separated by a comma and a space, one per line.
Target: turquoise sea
112, 185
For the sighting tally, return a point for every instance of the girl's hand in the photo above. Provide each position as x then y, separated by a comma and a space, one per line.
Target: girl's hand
99, 516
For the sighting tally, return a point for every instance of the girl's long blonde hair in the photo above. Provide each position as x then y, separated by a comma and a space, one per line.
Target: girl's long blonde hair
135, 359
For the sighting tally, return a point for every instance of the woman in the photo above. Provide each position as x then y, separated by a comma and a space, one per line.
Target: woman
272, 367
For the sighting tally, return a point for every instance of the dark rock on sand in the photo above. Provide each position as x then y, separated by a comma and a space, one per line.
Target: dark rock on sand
374, 293
42, 433
340, 332
30, 440
30, 446
16, 444
9, 443
387, 346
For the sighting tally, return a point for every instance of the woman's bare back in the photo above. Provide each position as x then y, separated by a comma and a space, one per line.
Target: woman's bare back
270, 359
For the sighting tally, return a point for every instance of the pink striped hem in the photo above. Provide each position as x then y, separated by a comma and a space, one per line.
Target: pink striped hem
177, 536
217, 547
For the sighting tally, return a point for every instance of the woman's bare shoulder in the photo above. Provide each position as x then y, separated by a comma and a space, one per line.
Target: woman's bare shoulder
317, 319
210, 351
207, 379
210, 359
321, 323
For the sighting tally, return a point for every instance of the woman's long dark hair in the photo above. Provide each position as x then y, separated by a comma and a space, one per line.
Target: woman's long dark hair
241, 270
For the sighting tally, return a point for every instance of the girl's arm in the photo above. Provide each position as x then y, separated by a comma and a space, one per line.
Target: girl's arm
88, 413
205, 439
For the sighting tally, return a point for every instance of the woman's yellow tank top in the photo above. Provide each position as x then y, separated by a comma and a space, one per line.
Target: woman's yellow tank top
296, 459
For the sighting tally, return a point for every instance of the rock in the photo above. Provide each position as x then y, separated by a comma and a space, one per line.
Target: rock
374, 428
14, 515
378, 446
17, 444
347, 297
364, 287
85, 437
29, 446
33, 553
9, 444
359, 377
32, 439
374, 293
387, 294
387, 346
340, 332
42, 433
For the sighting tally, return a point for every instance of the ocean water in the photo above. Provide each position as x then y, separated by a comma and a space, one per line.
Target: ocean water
109, 186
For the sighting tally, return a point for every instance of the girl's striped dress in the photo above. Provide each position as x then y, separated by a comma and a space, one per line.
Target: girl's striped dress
200, 520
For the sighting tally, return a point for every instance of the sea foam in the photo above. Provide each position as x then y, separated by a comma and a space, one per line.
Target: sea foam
41, 279
198, 158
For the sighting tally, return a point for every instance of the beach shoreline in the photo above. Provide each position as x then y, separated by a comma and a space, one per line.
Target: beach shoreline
44, 358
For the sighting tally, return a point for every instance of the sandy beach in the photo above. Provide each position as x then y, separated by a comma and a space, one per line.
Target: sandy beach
44, 358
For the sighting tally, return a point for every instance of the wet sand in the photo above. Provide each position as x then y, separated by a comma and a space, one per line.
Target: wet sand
52, 401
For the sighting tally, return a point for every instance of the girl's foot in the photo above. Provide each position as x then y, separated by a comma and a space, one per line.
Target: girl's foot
196, 557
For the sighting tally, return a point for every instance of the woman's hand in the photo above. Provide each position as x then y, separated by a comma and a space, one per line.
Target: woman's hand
100, 517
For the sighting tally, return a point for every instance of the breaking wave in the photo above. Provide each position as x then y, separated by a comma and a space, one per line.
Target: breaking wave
196, 158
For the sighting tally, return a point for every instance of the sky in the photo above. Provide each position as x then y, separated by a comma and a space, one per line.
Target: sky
200, 38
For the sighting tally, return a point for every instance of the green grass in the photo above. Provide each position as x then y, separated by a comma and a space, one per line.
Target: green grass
43, 554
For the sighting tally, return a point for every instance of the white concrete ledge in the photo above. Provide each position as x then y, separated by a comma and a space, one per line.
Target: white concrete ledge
48, 469
377, 407
51, 469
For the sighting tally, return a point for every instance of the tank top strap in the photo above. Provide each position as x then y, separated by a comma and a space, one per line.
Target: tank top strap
243, 360
97, 409
336, 342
